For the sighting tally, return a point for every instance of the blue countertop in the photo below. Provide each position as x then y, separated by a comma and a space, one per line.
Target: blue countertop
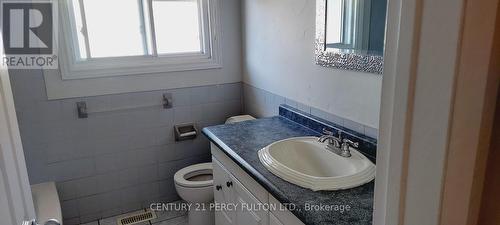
241, 142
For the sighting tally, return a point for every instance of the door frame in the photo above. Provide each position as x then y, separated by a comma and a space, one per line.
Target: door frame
435, 109
473, 114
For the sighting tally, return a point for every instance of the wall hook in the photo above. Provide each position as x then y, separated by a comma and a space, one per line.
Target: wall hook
167, 100
82, 110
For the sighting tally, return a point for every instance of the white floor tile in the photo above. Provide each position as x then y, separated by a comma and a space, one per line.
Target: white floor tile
181, 220
165, 215
91, 223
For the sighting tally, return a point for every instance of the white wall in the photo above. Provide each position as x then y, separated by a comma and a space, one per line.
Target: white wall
278, 42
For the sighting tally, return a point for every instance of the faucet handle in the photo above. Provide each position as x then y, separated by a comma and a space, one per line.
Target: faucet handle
346, 144
350, 143
331, 133
327, 132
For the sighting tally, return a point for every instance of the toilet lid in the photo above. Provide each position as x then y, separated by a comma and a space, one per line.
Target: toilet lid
182, 177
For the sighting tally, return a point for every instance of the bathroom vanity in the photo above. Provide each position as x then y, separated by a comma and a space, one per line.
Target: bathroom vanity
242, 200
258, 196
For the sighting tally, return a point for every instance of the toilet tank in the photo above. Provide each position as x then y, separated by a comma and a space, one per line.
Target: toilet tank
241, 118
46, 201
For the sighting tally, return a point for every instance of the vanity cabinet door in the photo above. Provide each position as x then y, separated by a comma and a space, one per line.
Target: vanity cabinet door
250, 210
223, 195
273, 220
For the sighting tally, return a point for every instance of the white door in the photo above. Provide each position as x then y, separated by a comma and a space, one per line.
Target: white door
16, 203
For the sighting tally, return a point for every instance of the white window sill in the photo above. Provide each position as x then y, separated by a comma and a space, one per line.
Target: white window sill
57, 88
137, 66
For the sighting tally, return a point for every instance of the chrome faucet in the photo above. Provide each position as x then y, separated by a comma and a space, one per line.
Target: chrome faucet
334, 143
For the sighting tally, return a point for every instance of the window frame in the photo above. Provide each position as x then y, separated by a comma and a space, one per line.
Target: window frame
73, 68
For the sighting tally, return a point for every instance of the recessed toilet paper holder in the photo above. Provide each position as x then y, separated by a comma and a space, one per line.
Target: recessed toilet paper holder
185, 132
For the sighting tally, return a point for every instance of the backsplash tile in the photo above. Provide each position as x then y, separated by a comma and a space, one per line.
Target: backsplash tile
304, 108
371, 132
255, 104
349, 124
327, 116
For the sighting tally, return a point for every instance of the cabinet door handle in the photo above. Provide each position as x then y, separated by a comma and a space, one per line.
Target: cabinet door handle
218, 187
229, 183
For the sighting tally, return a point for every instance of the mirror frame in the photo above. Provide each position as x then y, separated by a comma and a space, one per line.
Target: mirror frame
342, 59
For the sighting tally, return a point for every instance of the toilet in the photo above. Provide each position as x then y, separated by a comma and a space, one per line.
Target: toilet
194, 184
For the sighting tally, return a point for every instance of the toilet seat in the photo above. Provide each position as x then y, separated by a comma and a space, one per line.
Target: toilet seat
182, 176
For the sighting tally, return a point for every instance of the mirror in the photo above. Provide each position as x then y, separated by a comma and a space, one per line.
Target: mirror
350, 34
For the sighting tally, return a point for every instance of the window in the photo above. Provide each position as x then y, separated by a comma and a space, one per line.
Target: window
172, 36
101, 35
124, 37
344, 23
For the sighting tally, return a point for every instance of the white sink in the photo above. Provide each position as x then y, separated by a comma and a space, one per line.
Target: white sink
307, 163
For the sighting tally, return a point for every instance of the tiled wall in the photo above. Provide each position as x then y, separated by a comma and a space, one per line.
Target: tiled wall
261, 103
114, 162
